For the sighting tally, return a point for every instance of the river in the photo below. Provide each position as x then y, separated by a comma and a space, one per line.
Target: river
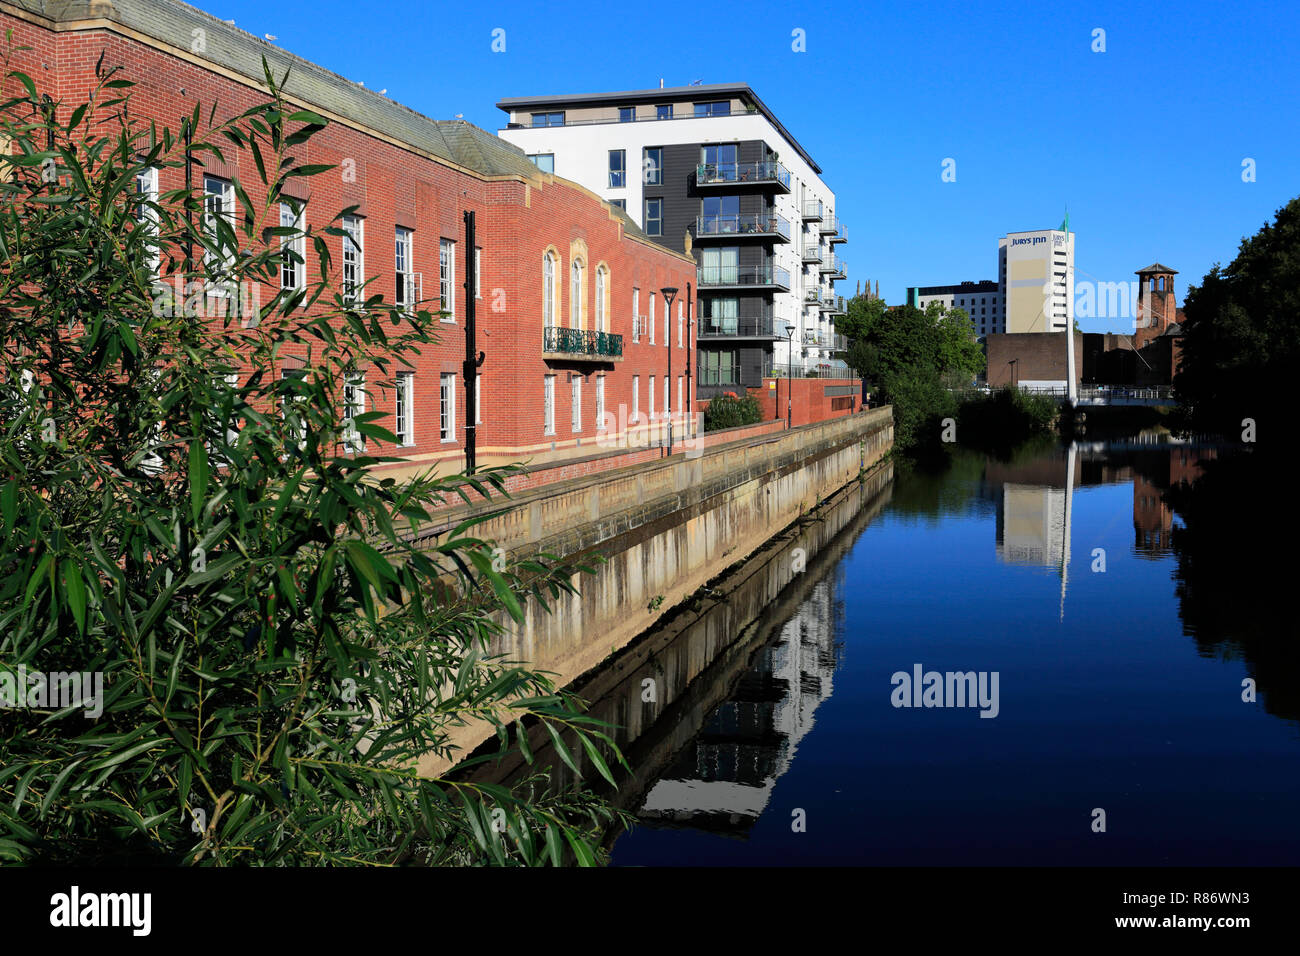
1030, 660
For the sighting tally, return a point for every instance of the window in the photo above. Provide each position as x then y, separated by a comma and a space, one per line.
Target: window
353, 257
548, 404
718, 368
405, 410
636, 397
664, 111
721, 161
720, 316
575, 295
652, 165
478, 272
654, 217
293, 405
478, 399
681, 321
354, 404
548, 290
447, 278
716, 108
403, 257
667, 406
720, 266
620, 203
651, 397
293, 260
146, 190
218, 207
627, 114
652, 324
636, 315
447, 407
548, 119
617, 168
679, 394
600, 299
721, 215
576, 386
543, 161
600, 403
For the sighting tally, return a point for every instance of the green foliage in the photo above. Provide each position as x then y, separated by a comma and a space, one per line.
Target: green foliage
910, 359
1004, 417
730, 411
1241, 340
283, 635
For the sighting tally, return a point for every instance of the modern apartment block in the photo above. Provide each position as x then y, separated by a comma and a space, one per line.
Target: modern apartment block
982, 301
711, 170
1036, 280
561, 275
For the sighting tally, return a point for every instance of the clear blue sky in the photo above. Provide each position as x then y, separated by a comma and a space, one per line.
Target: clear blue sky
1144, 142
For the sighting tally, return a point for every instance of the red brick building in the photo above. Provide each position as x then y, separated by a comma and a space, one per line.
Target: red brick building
550, 253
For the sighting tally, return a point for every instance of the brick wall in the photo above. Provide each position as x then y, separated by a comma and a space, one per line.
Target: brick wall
1016, 357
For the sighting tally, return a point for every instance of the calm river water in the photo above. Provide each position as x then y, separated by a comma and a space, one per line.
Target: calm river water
1117, 607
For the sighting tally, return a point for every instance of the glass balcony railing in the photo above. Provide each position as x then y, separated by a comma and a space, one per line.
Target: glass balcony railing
559, 340
841, 233
813, 211
763, 275
758, 224
834, 265
812, 254
732, 174
831, 303
829, 225
735, 326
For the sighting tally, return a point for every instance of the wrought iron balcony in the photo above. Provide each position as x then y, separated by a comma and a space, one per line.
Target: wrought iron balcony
581, 343
766, 173
813, 211
765, 276
757, 226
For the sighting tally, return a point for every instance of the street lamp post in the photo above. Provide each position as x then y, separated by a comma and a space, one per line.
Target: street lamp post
789, 381
669, 293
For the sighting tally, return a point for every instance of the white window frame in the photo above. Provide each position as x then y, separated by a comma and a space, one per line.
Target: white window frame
354, 404
447, 407
447, 278
650, 396
146, 188
478, 398
575, 393
548, 405
602, 286
291, 218
407, 279
668, 405
478, 272
600, 403
404, 409
681, 321
576, 278
652, 320
636, 398
548, 289
636, 315
354, 258
218, 201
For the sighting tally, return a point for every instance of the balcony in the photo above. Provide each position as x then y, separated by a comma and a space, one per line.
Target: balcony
833, 304
813, 211
735, 327
756, 226
812, 254
833, 266
582, 344
764, 277
841, 233
732, 175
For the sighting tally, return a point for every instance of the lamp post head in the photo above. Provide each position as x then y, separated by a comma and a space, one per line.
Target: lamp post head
670, 293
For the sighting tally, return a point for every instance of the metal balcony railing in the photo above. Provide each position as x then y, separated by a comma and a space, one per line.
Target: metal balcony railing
813, 211
738, 326
762, 275
841, 233
758, 224
834, 265
829, 225
562, 341
732, 174
812, 254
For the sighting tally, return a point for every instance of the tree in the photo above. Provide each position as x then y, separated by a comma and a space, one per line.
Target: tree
187, 510
1240, 338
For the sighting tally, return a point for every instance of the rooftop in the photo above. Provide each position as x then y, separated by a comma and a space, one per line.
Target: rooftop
671, 94
1156, 267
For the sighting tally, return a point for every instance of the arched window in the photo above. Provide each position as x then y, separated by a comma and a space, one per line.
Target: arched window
1162, 284
548, 290
575, 296
600, 299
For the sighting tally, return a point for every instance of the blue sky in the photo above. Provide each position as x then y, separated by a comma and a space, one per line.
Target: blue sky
1144, 142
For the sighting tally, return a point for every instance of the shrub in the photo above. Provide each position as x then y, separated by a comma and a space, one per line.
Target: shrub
729, 411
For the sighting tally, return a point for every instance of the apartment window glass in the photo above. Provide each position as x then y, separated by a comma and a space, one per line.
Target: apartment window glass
714, 108
720, 316
667, 406
218, 207
575, 295
600, 299
548, 404
354, 404
405, 408
548, 290
478, 399
353, 261
719, 162
679, 394
721, 215
720, 266
620, 203
447, 407
652, 320
626, 114
543, 161
403, 248
636, 315
654, 217
292, 256
719, 368
664, 111
576, 402
617, 168
653, 166
548, 119
146, 190
600, 403
447, 278
681, 321
650, 398
478, 272
636, 397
